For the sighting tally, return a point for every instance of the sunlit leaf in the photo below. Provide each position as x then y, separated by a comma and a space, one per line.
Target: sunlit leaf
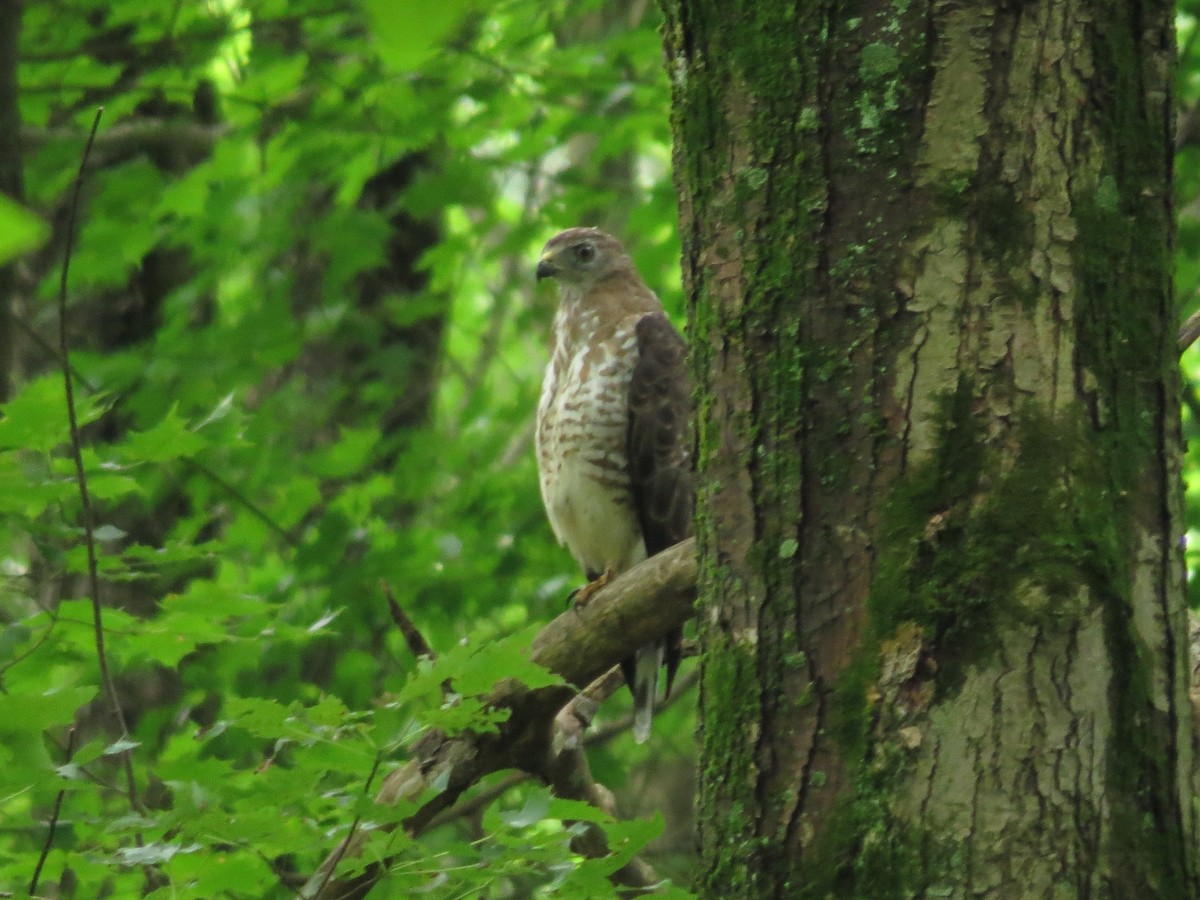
37, 712
408, 31
20, 230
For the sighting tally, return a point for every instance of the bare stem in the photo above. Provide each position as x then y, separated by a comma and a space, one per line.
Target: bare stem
106, 679
54, 814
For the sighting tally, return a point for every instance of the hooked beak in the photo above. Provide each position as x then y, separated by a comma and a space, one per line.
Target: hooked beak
545, 268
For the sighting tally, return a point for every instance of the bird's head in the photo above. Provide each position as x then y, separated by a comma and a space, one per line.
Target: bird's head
579, 257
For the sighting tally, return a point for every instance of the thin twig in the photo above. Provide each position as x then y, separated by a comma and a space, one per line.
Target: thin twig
106, 679
236, 493
412, 635
54, 814
195, 465
1189, 331
353, 825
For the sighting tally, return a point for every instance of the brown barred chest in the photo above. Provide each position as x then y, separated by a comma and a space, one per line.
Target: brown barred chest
582, 429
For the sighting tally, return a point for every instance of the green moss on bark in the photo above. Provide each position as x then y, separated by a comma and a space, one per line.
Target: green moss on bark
969, 531
865, 851
1125, 343
729, 703
979, 535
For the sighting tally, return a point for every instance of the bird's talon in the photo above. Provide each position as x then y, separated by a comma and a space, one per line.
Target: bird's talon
581, 596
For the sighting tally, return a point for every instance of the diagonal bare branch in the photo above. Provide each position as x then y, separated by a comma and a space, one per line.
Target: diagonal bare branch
1189, 331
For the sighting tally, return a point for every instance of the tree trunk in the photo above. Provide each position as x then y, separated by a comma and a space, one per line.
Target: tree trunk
928, 253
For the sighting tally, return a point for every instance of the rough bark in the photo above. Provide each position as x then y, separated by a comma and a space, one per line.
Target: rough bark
928, 254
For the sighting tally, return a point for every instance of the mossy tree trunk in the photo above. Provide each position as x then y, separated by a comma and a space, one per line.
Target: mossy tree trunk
928, 252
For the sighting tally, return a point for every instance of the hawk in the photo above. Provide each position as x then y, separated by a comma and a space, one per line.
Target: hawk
613, 426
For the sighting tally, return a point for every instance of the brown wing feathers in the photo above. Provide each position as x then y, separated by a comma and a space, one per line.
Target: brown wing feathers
659, 449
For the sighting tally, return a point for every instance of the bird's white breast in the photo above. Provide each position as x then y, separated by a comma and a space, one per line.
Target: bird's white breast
582, 429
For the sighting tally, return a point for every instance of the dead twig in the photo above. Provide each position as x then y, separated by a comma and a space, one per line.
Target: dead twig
417, 644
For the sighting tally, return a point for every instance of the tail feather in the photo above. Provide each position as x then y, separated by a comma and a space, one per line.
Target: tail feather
645, 688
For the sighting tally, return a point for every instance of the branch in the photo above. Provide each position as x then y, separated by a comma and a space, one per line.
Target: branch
89, 536
567, 772
418, 646
680, 689
54, 814
1189, 331
637, 608
599, 737
128, 139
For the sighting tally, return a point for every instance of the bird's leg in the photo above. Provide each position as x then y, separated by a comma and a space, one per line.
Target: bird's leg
580, 596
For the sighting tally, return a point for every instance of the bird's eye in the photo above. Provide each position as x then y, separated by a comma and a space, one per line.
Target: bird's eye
585, 252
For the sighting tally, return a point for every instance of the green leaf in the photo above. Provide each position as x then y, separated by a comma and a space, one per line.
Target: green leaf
505, 658
474, 670
408, 31
23, 489
171, 438
576, 810
260, 716
108, 533
20, 230
536, 808
347, 455
223, 873
38, 712
36, 418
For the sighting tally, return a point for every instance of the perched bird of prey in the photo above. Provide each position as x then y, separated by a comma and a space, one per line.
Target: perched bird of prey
613, 429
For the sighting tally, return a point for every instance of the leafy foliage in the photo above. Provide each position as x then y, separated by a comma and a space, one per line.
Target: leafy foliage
306, 348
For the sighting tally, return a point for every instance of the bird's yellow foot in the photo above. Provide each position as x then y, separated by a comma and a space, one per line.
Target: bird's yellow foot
581, 596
